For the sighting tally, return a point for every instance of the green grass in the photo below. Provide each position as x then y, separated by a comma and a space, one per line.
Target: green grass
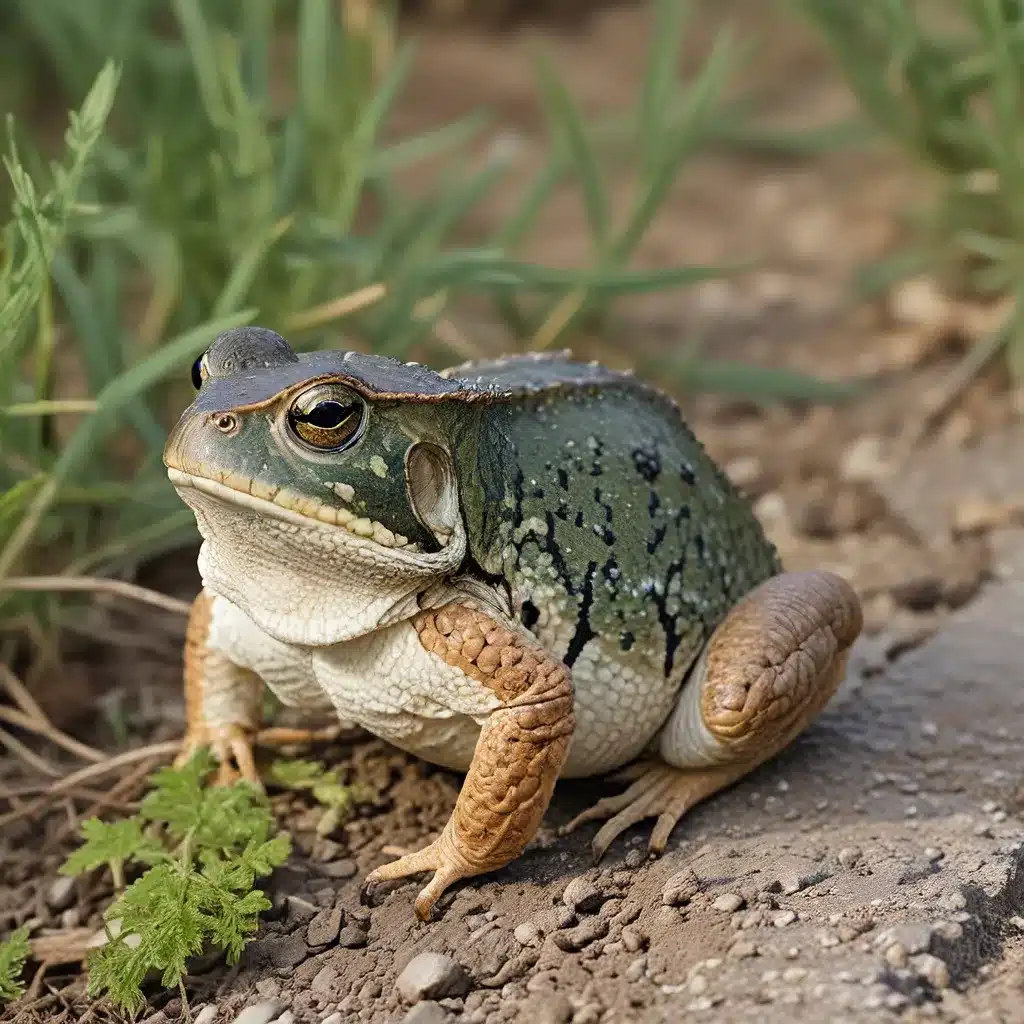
944, 81
233, 185
13, 954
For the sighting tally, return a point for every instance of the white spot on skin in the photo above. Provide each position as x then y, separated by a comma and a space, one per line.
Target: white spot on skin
344, 491
379, 466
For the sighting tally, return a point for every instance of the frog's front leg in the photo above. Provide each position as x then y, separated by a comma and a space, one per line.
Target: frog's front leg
518, 756
764, 675
223, 704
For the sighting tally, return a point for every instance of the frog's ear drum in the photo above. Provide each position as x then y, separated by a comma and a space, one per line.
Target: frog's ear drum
433, 491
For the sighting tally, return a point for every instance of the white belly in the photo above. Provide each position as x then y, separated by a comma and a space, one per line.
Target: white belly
389, 685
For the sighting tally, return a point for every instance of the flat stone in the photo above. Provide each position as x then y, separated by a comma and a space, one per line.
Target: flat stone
324, 927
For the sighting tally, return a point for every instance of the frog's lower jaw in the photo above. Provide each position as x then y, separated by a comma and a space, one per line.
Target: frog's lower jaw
765, 675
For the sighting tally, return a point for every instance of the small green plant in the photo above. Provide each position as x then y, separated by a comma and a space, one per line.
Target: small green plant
13, 954
202, 849
324, 785
944, 80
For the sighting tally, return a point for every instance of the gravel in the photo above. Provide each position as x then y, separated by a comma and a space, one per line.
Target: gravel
729, 902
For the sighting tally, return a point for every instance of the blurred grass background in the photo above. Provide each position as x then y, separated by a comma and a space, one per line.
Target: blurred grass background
230, 161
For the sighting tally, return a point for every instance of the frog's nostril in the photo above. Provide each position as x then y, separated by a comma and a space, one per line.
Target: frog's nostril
225, 422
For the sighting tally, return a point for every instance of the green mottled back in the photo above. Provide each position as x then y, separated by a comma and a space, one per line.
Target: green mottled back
602, 512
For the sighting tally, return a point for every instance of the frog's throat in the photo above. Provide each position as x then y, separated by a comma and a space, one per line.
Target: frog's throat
288, 506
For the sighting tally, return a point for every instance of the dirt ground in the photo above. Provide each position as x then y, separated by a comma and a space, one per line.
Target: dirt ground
875, 870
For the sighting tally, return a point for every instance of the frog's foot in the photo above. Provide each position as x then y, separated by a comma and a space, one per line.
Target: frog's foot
763, 677
231, 745
659, 791
444, 857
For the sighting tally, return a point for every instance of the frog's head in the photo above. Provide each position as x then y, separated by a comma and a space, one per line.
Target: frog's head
323, 484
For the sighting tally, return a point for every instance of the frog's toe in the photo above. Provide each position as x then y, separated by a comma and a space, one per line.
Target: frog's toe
660, 791
231, 745
440, 857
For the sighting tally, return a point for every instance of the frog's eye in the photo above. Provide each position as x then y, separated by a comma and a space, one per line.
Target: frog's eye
200, 371
326, 418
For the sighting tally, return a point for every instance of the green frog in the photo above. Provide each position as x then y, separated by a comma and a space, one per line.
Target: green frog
522, 569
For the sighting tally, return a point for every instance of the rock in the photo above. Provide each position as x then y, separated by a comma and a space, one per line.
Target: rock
680, 888
324, 979
914, 938
584, 897
286, 1018
896, 955
743, 949
426, 1013
207, 1015
260, 1013
784, 918
431, 976
582, 935
932, 969
324, 927
729, 902
633, 940
299, 910
527, 934
351, 937
61, 893
849, 856
335, 1018
282, 951
345, 868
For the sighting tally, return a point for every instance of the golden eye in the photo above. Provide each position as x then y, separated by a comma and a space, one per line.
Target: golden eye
325, 418
226, 422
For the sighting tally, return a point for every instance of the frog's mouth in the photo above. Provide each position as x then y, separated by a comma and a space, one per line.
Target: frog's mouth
289, 506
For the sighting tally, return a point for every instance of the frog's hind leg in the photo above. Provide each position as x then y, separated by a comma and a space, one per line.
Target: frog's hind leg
765, 674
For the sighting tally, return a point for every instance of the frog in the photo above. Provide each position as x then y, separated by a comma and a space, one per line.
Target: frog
522, 569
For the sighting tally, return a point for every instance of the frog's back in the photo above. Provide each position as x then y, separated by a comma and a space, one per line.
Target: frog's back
622, 542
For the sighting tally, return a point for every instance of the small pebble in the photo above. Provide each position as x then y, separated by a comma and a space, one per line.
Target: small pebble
680, 888
932, 969
633, 939
583, 896
286, 1018
783, 918
426, 1013
334, 1018
351, 937
431, 976
260, 1013
527, 933
345, 868
729, 902
207, 1015
61, 893
849, 856
896, 955
636, 970
635, 858
743, 949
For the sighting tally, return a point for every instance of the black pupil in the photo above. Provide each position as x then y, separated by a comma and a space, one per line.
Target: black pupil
197, 373
327, 415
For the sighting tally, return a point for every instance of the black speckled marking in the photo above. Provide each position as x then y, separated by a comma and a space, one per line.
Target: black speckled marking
647, 460
584, 632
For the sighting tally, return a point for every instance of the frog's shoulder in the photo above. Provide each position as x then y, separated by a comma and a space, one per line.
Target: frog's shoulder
541, 373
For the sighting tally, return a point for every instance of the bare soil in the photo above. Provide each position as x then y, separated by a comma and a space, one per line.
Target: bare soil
874, 871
